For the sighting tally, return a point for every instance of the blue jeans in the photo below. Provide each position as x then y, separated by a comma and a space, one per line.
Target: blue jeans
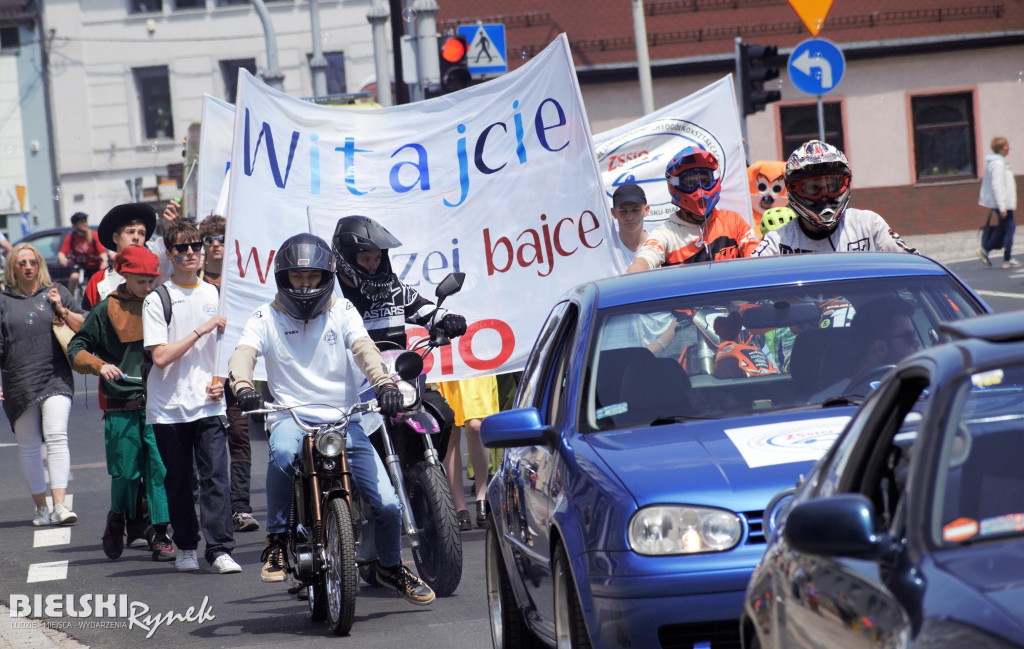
371, 479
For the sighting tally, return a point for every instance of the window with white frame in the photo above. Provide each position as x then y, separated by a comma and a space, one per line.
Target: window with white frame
145, 6
229, 71
154, 91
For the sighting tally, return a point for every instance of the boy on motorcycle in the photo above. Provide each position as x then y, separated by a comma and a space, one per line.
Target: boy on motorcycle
361, 247
303, 335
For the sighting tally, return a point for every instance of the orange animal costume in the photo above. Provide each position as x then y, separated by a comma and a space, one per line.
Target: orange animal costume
767, 187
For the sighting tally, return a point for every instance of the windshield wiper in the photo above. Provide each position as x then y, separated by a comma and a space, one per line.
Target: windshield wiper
832, 402
675, 419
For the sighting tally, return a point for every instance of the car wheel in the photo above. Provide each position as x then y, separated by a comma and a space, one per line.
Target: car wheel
570, 628
508, 631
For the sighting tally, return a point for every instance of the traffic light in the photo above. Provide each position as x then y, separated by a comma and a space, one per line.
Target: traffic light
757, 65
453, 52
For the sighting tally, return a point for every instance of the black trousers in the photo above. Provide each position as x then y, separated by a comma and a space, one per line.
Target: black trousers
241, 455
205, 440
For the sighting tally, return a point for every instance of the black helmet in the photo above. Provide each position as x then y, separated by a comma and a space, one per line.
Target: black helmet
355, 234
78, 217
304, 252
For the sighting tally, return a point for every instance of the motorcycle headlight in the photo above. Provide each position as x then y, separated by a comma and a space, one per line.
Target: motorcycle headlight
409, 394
330, 443
679, 529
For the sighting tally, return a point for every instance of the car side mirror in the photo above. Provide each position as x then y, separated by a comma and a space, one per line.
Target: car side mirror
520, 427
838, 526
408, 365
450, 285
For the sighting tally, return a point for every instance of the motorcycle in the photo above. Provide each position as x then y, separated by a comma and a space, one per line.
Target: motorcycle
406, 443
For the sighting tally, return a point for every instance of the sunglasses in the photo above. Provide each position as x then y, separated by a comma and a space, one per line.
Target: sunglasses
28, 262
182, 248
209, 239
693, 179
816, 188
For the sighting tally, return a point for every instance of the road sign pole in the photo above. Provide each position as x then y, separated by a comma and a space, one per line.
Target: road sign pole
643, 60
821, 119
739, 96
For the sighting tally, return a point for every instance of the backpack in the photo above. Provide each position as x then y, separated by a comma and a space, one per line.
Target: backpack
147, 356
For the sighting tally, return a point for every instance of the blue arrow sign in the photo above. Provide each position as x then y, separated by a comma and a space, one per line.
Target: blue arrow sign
816, 66
487, 53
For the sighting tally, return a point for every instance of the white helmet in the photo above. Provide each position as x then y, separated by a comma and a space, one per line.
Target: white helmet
818, 182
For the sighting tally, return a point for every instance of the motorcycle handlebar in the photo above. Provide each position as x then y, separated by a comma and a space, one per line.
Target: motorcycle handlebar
367, 406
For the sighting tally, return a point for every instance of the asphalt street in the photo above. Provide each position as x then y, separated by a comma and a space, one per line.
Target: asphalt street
239, 609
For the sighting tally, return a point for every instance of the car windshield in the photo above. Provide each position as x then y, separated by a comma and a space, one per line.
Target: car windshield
980, 485
759, 350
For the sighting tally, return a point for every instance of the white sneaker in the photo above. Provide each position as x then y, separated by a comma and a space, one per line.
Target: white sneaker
186, 561
224, 565
62, 515
42, 516
1011, 263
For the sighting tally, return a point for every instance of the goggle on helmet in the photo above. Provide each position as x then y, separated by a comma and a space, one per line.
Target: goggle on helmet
694, 180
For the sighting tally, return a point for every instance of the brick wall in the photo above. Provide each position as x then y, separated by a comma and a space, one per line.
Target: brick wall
926, 209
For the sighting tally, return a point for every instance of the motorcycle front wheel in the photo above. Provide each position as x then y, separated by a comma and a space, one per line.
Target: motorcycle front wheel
340, 567
439, 557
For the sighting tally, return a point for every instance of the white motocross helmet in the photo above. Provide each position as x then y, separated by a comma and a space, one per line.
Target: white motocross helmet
818, 182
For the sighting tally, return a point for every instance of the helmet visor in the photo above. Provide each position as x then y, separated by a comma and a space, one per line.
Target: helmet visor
819, 188
302, 256
691, 180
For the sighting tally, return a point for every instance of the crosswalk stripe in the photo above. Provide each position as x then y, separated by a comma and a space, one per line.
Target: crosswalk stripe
52, 536
51, 571
12, 444
1000, 294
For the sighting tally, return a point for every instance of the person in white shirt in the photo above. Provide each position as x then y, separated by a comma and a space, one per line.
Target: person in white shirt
999, 194
316, 348
185, 405
818, 183
629, 209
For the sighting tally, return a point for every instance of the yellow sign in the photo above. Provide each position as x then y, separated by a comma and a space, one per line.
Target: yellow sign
812, 13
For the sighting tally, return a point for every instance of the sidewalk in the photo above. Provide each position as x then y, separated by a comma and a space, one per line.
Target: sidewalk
947, 247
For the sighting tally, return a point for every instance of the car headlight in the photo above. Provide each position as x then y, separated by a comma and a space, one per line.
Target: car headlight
330, 443
409, 394
680, 529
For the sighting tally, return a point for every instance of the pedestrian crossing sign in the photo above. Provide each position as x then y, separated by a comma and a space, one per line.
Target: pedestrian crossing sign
487, 54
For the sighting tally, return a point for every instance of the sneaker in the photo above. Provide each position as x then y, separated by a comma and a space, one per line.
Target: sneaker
401, 580
275, 565
186, 561
1009, 263
62, 515
481, 513
163, 549
983, 256
465, 522
224, 564
113, 535
42, 516
244, 522
137, 529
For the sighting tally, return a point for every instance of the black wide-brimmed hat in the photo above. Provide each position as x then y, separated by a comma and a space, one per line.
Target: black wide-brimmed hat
121, 215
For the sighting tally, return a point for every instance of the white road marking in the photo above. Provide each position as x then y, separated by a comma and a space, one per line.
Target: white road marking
1000, 294
69, 500
3, 445
52, 536
52, 571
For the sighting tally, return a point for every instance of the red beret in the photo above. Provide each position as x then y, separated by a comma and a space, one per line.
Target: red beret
137, 260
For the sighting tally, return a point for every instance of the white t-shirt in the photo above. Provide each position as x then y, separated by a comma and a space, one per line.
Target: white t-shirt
177, 393
309, 363
858, 231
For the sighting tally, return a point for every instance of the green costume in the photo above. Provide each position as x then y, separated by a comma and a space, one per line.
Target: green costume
112, 333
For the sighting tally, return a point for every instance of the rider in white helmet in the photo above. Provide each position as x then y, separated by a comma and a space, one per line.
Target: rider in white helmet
818, 182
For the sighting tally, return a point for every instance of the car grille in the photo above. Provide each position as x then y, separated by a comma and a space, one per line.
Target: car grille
755, 525
721, 635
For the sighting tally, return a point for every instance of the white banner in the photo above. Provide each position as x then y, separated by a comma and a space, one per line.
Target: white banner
498, 181
215, 134
638, 152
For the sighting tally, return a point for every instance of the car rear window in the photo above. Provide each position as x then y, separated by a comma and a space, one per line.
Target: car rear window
731, 353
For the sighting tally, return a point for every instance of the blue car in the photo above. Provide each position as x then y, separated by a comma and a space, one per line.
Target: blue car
660, 419
910, 532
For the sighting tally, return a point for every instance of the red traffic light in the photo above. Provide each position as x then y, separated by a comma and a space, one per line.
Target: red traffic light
453, 50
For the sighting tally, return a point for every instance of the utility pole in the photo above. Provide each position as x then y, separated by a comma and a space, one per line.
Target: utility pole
272, 76
643, 59
378, 15
397, 31
427, 63
318, 64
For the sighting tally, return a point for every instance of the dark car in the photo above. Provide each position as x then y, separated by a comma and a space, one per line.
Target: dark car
910, 531
48, 243
658, 416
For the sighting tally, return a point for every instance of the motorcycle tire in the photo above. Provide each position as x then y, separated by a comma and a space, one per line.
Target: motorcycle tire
439, 557
317, 599
340, 579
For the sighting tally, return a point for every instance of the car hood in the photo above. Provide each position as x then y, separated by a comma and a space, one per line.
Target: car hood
995, 571
737, 463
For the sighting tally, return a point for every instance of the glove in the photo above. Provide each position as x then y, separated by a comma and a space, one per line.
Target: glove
452, 325
248, 399
389, 399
